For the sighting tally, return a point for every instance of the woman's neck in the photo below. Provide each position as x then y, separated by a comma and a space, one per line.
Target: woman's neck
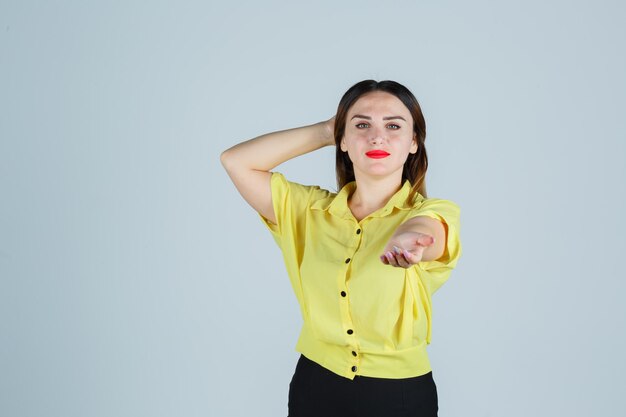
372, 194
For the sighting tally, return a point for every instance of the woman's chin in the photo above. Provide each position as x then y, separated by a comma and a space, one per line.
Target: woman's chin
378, 173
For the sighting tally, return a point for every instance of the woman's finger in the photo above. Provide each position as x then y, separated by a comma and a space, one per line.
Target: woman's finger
403, 261
400, 258
410, 258
391, 259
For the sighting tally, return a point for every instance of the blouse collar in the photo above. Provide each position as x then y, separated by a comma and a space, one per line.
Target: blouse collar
337, 204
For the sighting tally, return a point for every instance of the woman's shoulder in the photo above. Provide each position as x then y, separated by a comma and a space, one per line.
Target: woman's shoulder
436, 207
421, 201
313, 193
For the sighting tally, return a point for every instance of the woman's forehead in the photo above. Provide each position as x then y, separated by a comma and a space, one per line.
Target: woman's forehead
379, 103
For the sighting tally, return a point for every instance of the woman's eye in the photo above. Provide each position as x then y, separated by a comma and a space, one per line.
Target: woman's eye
362, 125
393, 126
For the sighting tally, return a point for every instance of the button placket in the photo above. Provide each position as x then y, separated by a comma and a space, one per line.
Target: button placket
352, 357
352, 349
355, 363
344, 294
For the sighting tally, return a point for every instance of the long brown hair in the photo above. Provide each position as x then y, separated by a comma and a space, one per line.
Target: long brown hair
416, 164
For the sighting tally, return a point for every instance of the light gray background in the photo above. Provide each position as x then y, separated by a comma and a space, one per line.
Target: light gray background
135, 281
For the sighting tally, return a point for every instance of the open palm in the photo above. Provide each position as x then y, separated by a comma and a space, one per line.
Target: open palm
406, 249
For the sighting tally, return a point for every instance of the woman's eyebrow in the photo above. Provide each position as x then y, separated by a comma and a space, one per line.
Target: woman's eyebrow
360, 116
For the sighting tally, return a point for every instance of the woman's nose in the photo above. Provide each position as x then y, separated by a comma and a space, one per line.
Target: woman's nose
377, 136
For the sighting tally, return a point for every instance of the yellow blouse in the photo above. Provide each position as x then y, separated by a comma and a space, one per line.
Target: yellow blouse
360, 316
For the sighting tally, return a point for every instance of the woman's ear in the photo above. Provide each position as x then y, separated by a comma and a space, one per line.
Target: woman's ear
414, 144
343, 146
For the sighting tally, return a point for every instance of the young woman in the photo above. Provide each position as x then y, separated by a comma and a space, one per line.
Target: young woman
363, 262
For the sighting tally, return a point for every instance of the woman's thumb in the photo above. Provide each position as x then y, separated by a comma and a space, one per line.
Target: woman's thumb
425, 240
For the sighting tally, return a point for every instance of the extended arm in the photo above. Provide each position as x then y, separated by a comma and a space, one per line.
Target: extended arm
248, 163
419, 239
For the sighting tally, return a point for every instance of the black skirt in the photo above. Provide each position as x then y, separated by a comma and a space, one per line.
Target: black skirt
315, 391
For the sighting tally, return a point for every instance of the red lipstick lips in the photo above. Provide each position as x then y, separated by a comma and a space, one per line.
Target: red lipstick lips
377, 154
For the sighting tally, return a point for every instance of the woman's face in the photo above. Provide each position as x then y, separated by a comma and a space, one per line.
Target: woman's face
379, 135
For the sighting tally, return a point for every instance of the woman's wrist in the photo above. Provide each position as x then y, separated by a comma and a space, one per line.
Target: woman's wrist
327, 131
